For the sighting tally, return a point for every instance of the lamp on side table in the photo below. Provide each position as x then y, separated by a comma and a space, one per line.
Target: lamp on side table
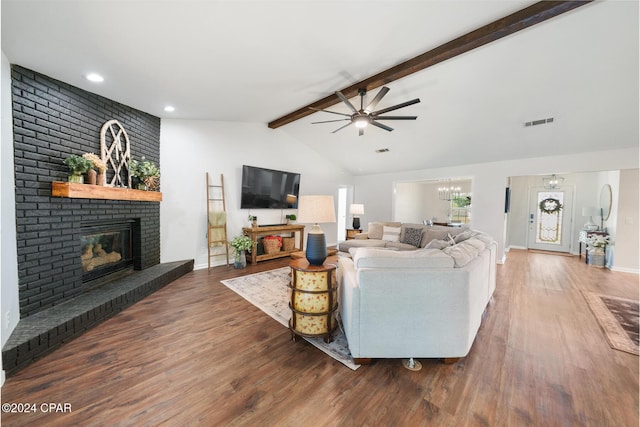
356, 209
316, 209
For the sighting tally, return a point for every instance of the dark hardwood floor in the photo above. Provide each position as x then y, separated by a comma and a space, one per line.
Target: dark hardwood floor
195, 353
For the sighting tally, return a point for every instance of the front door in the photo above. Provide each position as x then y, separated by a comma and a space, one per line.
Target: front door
550, 214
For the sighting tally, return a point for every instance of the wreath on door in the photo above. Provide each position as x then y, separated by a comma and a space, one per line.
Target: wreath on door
550, 206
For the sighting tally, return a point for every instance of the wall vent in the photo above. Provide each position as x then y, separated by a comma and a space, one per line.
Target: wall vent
382, 150
538, 122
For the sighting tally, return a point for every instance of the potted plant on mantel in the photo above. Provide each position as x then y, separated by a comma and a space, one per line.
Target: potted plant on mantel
78, 166
99, 166
240, 244
146, 174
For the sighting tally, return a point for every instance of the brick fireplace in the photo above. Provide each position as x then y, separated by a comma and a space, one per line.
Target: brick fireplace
51, 120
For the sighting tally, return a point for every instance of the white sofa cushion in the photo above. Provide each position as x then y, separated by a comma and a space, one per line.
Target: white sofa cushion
385, 258
400, 246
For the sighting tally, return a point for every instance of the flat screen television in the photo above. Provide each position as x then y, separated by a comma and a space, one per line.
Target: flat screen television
269, 189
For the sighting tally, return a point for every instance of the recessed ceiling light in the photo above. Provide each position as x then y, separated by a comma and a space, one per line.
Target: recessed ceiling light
94, 77
169, 109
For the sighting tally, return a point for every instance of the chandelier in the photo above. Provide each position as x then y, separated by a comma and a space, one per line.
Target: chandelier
448, 193
552, 182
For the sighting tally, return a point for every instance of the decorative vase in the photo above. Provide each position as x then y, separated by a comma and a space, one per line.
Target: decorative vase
597, 257
100, 179
240, 260
77, 179
91, 177
254, 221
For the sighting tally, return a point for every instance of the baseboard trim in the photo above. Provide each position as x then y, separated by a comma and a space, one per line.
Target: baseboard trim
625, 270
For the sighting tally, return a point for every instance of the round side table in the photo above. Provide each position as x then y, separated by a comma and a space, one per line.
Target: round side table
314, 300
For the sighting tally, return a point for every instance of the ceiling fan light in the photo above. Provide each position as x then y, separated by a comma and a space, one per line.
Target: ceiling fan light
361, 122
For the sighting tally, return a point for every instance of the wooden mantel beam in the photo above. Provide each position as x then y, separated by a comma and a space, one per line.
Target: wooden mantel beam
496, 30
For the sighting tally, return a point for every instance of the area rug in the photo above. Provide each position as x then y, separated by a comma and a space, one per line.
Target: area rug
270, 293
618, 318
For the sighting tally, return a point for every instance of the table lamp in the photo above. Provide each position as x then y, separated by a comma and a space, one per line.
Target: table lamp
355, 210
316, 209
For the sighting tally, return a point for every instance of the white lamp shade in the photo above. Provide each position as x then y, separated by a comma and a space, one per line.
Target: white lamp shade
590, 211
316, 209
356, 209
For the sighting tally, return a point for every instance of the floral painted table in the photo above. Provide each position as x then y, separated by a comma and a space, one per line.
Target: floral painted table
314, 299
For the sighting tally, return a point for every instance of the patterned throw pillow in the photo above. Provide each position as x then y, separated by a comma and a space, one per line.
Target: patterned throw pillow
391, 234
412, 236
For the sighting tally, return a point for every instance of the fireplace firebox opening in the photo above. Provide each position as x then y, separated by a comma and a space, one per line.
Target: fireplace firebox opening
106, 248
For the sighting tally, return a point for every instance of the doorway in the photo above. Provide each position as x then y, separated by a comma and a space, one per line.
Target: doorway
342, 213
550, 217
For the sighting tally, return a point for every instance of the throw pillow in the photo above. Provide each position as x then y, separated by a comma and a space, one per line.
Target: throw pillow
412, 236
391, 234
467, 234
438, 244
462, 253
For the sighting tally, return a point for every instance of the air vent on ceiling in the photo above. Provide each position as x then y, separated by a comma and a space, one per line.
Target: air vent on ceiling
382, 150
538, 122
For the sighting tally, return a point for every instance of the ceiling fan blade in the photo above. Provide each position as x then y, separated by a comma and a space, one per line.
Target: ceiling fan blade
346, 101
381, 126
395, 107
327, 111
394, 117
377, 99
360, 131
329, 121
340, 128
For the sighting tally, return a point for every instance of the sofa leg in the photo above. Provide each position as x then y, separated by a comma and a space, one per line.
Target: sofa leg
411, 364
451, 360
362, 361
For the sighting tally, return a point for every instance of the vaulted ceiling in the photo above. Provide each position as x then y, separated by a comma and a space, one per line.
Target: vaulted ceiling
257, 61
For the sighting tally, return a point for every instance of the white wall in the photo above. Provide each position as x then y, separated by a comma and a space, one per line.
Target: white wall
627, 254
409, 202
9, 302
190, 148
489, 182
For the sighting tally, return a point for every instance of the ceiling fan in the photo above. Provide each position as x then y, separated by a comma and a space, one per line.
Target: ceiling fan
365, 116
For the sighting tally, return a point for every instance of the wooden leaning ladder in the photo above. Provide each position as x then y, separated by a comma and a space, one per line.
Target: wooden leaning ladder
216, 219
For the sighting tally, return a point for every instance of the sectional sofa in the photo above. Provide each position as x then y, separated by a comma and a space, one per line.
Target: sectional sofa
421, 303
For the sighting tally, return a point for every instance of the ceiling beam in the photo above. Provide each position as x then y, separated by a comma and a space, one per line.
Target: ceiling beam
527, 17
